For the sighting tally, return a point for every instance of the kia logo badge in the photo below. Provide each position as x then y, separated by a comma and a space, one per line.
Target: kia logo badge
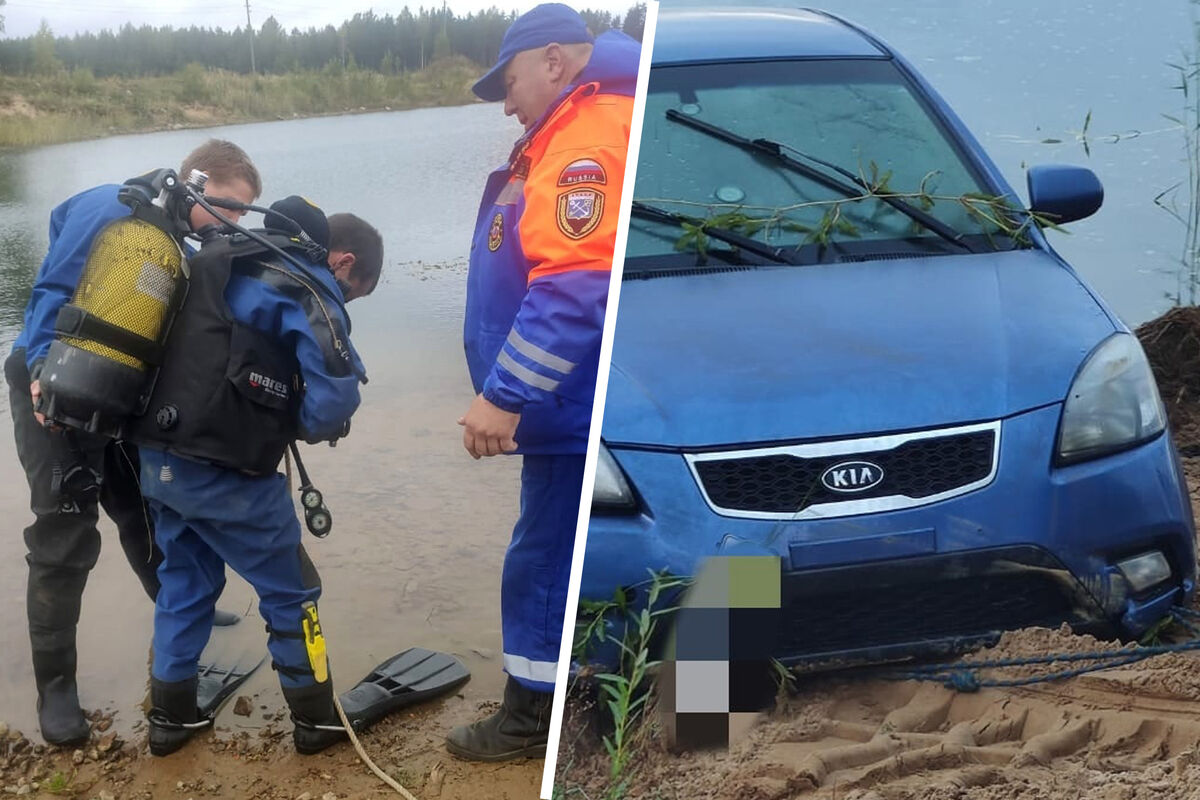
852, 476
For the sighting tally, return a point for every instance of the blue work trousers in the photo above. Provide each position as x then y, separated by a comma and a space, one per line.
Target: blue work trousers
537, 568
206, 517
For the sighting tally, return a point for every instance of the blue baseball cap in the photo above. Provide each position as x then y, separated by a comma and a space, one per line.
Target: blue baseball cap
538, 27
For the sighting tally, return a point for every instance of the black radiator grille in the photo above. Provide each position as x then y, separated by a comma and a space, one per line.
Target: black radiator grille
785, 483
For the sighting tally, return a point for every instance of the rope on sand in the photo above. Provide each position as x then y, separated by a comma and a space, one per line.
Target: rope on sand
362, 754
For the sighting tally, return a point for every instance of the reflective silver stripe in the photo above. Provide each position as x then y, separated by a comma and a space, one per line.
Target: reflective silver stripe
521, 667
511, 192
526, 374
535, 353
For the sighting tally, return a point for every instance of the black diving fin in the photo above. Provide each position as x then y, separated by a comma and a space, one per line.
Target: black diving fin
220, 679
407, 678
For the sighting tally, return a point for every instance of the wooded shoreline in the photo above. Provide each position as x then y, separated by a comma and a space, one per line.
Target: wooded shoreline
72, 105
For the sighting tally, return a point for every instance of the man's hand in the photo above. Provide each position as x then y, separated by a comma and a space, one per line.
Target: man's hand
35, 394
488, 430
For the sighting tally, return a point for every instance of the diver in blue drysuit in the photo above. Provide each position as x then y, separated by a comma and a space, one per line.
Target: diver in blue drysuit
256, 359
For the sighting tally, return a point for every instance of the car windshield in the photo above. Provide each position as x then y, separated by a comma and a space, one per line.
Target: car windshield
821, 160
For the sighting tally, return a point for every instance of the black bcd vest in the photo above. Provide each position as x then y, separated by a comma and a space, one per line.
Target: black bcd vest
227, 394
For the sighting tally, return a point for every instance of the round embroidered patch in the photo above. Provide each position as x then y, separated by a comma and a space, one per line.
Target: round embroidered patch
496, 232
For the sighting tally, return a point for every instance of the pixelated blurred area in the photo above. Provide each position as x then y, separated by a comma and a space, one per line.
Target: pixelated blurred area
716, 674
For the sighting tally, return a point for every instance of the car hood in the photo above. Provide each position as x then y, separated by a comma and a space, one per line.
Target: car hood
787, 353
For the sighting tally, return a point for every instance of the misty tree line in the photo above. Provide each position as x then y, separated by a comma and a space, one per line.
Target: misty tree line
389, 44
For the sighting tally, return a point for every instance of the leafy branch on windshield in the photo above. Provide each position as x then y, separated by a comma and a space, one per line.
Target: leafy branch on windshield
995, 214
695, 236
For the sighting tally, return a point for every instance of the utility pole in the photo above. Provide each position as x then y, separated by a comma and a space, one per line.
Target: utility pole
250, 30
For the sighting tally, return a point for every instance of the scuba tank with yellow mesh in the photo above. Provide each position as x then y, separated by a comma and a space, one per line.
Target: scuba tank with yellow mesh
110, 337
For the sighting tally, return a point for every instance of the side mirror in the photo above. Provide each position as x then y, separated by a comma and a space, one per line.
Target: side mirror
1063, 193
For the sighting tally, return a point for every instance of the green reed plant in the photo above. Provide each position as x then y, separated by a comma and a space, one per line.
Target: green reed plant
1182, 201
633, 627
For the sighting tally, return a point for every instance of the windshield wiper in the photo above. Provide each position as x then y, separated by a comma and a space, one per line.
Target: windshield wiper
775, 151
779, 255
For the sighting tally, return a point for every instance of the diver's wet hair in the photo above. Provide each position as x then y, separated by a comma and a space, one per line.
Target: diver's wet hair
351, 234
223, 161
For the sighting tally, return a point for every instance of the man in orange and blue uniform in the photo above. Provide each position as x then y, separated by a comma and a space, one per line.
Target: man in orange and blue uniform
541, 260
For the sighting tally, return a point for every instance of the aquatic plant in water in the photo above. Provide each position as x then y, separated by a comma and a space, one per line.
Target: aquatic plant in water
1182, 201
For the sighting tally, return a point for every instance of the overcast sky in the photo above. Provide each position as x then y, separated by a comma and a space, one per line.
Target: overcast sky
66, 17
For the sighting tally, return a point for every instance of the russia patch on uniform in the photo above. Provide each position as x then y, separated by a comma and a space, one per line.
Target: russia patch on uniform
582, 171
579, 212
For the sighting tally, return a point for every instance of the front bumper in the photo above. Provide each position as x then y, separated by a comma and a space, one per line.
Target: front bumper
1051, 536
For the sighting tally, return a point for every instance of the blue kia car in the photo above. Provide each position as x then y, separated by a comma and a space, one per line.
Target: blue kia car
844, 341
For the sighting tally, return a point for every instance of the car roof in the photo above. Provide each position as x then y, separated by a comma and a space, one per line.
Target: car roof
730, 34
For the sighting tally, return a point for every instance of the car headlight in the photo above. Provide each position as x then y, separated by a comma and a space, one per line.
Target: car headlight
1113, 403
611, 491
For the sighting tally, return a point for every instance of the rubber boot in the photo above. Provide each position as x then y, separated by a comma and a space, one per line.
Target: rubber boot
518, 730
317, 725
174, 717
59, 715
